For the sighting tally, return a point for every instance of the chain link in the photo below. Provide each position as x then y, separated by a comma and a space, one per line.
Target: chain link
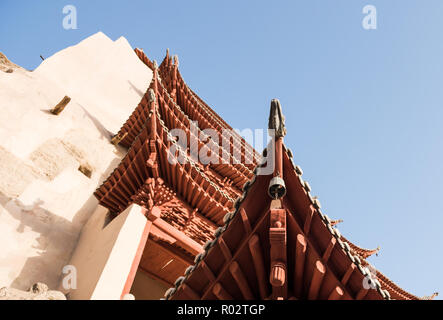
191, 162
189, 120
213, 116
217, 120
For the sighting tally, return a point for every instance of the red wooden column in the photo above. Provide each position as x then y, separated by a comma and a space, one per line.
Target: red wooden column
136, 261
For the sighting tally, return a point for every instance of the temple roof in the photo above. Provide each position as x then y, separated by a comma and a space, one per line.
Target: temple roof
303, 256
283, 248
212, 189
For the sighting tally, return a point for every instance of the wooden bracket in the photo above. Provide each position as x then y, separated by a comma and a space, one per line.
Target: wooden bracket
152, 160
278, 239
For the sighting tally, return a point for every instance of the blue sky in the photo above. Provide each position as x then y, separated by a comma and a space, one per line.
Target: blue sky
363, 108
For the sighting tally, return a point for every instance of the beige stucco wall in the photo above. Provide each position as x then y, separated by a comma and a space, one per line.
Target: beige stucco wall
44, 199
105, 253
147, 288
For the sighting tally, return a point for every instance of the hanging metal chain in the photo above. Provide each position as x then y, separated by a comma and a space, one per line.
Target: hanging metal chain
189, 120
191, 162
215, 118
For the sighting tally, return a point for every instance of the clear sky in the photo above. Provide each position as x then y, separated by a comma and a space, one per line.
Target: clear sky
364, 108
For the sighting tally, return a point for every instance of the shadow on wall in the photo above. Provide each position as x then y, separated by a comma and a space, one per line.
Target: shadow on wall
139, 92
57, 238
105, 133
54, 232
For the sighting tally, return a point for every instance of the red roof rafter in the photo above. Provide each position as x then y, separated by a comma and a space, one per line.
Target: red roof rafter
279, 248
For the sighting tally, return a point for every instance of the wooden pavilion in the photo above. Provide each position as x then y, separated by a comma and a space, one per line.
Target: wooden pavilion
234, 232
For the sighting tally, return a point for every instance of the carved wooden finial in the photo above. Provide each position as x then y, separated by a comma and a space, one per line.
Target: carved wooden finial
277, 119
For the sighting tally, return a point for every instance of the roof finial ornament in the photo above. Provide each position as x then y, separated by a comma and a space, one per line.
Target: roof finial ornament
277, 130
176, 61
435, 294
155, 64
277, 119
334, 222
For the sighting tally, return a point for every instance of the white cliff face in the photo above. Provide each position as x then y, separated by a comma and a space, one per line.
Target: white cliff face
103, 76
44, 198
